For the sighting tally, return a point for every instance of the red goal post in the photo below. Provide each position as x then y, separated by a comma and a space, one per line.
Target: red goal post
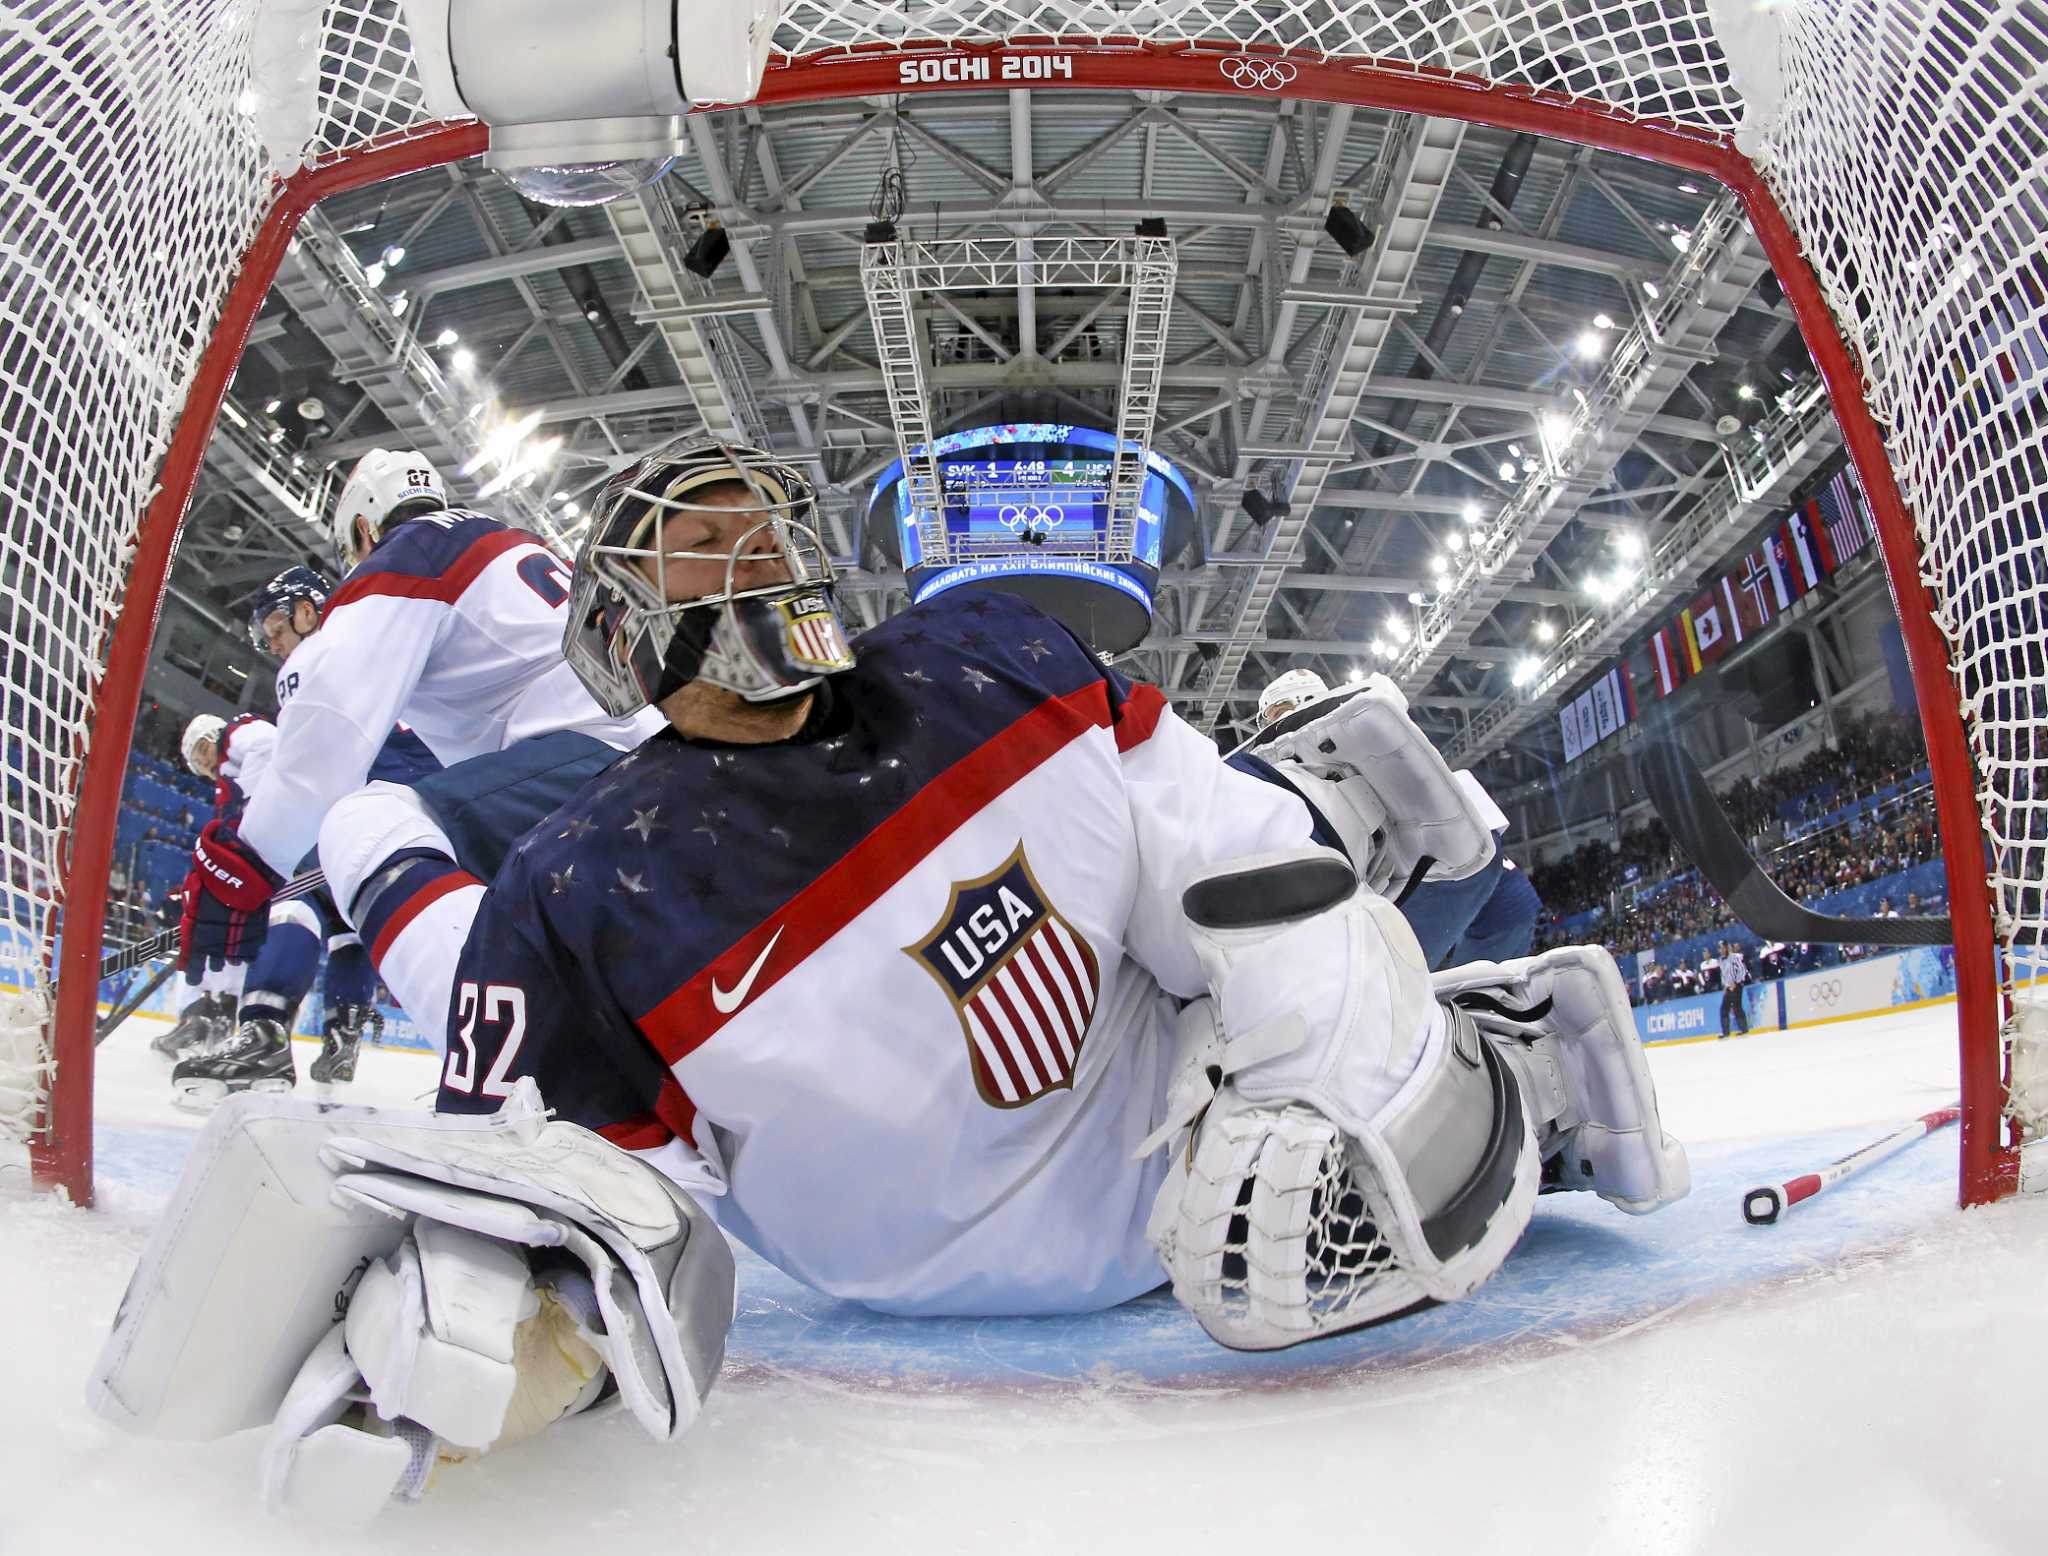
1891, 159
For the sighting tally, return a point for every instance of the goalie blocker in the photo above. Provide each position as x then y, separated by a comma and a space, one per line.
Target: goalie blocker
1332, 1170
393, 1290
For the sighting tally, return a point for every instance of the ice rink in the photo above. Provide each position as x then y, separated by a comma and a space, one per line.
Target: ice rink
1868, 1375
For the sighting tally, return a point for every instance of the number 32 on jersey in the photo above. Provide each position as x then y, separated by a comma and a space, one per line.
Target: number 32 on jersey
500, 1010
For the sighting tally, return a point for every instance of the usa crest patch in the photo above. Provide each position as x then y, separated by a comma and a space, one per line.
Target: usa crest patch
1022, 979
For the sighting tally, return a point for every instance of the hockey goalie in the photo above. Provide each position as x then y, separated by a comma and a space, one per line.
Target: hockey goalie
949, 971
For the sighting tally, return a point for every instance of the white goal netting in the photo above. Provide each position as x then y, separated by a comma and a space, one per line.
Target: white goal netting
1906, 144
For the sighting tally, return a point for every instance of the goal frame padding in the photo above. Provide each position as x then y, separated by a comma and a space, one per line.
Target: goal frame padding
1989, 1155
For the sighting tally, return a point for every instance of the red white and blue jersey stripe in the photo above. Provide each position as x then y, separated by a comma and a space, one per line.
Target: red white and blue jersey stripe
451, 626
898, 992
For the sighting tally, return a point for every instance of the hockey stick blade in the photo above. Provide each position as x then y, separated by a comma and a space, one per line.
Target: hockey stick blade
1762, 1206
1682, 796
130, 1005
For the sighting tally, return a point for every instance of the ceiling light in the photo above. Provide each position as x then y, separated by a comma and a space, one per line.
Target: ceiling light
272, 406
1507, 472
446, 338
1556, 427
573, 510
1602, 322
1650, 291
1528, 467
1590, 344
1524, 671
1628, 543
1398, 630
399, 304
1439, 563
1455, 541
1355, 678
310, 408
394, 256
462, 361
1472, 515
1681, 239
374, 272
1688, 187
1514, 451
1415, 597
1545, 632
1745, 391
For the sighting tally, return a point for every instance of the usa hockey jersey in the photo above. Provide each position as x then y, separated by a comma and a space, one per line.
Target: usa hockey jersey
452, 626
897, 990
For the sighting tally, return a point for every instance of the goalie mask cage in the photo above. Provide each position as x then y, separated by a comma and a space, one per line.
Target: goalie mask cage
1892, 156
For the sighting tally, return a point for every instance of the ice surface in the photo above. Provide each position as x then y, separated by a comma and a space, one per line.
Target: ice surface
1866, 1375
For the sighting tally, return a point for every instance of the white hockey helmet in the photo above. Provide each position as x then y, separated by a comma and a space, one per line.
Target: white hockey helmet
383, 481
1288, 692
204, 728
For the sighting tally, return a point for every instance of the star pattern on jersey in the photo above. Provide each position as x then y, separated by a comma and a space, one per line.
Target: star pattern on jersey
978, 640
576, 827
978, 606
1036, 649
561, 880
917, 677
644, 823
976, 678
782, 835
630, 885
708, 824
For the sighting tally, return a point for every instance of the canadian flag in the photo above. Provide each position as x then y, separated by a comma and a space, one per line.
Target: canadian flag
1709, 633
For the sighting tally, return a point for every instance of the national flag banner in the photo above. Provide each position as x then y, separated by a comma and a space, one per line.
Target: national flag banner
1626, 695
1773, 556
1688, 642
1844, 516
1604, 721
1754, 593
1733, 617
1802, 553
1568, 726
1589, 727
1709, 631
1667, 661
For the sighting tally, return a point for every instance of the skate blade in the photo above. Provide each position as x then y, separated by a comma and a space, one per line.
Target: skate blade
198, 1096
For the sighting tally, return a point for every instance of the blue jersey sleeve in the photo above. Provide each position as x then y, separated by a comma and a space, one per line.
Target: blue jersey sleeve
404, 758
527, 1006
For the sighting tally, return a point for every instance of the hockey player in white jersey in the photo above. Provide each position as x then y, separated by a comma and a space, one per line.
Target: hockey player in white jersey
957, 975
449, 622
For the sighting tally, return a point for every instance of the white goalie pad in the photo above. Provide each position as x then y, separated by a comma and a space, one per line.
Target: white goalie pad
1373, 775
1342, 1152
285, 1205
1562, 1021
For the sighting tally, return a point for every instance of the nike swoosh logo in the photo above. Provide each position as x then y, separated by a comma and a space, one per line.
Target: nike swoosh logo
726, 1001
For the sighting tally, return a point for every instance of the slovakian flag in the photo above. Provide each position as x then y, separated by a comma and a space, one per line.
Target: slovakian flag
1808, 565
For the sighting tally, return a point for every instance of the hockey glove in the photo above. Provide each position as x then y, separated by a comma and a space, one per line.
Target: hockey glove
227, 899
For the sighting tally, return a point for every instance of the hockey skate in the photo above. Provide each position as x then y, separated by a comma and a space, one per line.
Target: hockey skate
257, 1058
199, 1025
340, 1039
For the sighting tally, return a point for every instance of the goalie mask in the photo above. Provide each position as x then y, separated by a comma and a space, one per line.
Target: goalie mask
703, 565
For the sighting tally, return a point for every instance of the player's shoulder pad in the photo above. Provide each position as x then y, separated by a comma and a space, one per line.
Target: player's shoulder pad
233, 727
432, 557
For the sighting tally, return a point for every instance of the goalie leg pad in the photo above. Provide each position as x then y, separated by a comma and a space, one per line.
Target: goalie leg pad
1362, 1153
1562, 1022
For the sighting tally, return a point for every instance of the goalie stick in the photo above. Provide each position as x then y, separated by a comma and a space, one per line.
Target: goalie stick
1763, 1206
1683, 797
157, 947
128, 1006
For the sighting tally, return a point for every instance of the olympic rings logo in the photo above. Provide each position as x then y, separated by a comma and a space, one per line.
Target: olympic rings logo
1824, 991
1256, 75
1030, 516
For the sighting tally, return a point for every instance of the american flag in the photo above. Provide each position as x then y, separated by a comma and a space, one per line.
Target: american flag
1844, 515
1023, 981
815, 636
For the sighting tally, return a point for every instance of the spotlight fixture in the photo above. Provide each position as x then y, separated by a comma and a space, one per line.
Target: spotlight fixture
1350, 233
1261, 508
879, 232
1152, 227
373, 272
310, 408
708, 252
394, 256
272, 406
447, 338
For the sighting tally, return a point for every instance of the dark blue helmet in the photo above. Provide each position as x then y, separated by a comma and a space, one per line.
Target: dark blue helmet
281, 594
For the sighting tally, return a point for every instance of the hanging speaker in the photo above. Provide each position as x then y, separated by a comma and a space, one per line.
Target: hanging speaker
1352, 235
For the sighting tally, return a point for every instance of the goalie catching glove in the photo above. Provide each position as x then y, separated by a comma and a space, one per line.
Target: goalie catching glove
393, 1291
1350, 1143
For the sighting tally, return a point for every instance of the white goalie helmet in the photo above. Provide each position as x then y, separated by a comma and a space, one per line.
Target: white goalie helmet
1288, 692
205, 728
383, 481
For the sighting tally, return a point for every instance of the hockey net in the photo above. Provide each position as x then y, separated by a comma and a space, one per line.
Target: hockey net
1892, 155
